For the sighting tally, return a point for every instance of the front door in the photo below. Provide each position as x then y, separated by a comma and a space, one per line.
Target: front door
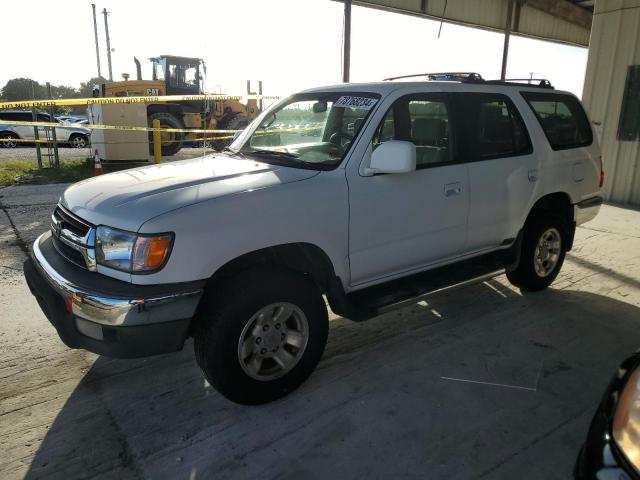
400, 223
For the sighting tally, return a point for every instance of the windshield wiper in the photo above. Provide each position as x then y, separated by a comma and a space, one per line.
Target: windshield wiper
286, 159
275, 153
233, 152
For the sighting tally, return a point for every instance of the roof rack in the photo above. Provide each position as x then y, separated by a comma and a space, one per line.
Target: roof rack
472, 77
443, 77
529, 82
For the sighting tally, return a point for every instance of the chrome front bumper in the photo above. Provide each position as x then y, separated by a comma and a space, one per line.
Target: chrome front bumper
107, 309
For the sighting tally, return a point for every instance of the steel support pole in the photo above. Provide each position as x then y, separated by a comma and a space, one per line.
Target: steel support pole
36, 133
56, 156
95, 32
157, 141
106, 32
507, 35
34, 118
346, 42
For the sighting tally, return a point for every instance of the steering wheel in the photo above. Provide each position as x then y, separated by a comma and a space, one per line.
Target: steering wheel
341, 139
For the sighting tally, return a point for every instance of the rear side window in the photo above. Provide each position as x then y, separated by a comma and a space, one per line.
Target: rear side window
562, 118
490, 127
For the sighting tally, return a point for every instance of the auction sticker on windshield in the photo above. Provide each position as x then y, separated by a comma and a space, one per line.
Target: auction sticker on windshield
365, 103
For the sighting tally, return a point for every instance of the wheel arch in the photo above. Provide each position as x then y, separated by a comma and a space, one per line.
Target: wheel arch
301, 257
555, 203
172, 108
78, 134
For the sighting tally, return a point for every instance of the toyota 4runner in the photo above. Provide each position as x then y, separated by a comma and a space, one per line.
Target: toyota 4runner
367, 195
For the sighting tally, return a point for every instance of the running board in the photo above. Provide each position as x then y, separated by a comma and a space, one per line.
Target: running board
373, 301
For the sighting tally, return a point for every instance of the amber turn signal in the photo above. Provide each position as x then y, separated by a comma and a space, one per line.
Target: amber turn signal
150, 253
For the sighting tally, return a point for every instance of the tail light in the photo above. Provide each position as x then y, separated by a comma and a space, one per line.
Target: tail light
601, 172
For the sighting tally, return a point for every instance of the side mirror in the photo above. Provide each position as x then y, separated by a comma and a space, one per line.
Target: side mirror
394, 156
319, 107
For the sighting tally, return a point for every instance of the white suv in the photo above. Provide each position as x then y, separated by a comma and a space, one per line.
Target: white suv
366, 194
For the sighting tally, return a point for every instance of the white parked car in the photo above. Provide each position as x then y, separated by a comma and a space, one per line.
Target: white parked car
11, 134
398, 188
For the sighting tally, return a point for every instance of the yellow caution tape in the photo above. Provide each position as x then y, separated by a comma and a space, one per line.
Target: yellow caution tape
25, 140
90, 126
128, 100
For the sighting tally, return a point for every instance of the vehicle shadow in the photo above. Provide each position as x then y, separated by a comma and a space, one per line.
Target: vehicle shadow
376, 392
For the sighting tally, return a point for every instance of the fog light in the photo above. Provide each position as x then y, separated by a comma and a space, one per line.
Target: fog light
89, 329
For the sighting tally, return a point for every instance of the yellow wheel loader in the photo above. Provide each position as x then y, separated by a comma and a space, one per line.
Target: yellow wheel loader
174, 75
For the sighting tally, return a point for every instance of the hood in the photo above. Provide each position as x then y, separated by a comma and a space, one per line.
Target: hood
129, 198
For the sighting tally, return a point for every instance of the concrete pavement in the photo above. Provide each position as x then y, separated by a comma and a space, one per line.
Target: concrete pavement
478, 381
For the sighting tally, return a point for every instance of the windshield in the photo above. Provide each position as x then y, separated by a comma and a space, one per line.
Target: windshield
309, 130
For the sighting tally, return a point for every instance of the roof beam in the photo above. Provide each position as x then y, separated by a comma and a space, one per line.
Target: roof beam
553, 20
564, 9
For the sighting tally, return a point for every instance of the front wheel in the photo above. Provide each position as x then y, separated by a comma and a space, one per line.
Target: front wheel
261, 335
543, 250
170, 142
79, 141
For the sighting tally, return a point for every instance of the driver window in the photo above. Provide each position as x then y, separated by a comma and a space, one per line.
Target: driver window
422, 119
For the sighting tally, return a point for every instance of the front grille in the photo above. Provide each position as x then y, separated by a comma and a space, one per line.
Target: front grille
71, 222
74, 256
73, 238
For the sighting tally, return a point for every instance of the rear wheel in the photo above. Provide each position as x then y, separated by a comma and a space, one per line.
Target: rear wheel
542, 255
8, 140
261, 335
171, 141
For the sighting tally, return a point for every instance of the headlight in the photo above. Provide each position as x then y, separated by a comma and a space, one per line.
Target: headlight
130, 252
626, 420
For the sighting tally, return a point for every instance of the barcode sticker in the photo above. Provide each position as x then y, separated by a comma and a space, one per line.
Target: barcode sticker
364, 103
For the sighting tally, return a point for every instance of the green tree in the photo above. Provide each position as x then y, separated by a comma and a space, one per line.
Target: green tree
64, 91
86, 88
22, 89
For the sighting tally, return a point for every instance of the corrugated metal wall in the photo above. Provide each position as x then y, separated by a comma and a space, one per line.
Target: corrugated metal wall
615, 39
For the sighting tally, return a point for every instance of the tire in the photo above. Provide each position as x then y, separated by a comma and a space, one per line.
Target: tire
77, 140
227, 321
238, 122
173, 140
538, 269
8, 136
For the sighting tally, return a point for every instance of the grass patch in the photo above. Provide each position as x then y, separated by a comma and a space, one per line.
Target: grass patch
22, 172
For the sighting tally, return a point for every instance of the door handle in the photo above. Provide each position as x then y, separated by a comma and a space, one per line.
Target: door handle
533, 175
452, 189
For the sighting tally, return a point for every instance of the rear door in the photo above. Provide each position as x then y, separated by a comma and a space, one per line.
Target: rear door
503, 171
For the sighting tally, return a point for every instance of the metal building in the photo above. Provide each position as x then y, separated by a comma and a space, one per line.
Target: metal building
612, 94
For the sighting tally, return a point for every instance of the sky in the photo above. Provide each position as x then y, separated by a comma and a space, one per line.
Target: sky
288, 44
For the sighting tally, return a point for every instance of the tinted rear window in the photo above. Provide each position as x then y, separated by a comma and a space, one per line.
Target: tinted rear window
489, 126
562, 118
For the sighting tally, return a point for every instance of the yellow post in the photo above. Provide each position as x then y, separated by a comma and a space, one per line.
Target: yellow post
157, 142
